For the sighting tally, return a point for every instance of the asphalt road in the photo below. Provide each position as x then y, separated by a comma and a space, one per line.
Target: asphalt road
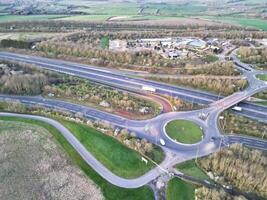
152, 129
109, 77
92, 161
247, 141
119, 80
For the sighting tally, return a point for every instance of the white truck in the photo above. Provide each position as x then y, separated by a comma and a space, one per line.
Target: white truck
148, 88
237, 108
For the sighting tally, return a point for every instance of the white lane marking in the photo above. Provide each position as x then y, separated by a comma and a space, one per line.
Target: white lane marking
90, 73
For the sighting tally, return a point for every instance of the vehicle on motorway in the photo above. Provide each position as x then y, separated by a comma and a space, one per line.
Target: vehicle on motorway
237, 108
148, 88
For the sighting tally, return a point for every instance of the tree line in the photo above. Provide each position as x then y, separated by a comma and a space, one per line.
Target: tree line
24, 79
220, 85
204, 193
85, 92
156, 30
14, 80
253, 55
15, 44
240, 167
104, 57
235, 124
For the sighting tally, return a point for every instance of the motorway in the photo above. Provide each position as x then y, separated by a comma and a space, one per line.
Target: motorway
153, 129
121, 80
247, 141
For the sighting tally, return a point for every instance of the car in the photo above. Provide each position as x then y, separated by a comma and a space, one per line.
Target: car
162, 142
213, 138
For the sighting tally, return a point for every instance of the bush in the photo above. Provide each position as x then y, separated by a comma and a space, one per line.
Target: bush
16, 44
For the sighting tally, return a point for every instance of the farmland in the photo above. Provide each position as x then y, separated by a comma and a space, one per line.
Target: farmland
28, 17
129, 11
242, 21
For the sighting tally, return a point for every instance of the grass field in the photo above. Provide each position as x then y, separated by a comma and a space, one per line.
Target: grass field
102, 10
118, 158
180, 9
27, 35
130, 8
113, 9
110, 191
105, 17
184, 131
262, 77
242, 21
85, 18
152, 17
6, 18
178, 189
190, 168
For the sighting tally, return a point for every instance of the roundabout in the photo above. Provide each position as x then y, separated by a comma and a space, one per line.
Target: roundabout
186, 135
184, 131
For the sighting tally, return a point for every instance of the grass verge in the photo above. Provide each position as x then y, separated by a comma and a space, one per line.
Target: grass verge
190, 168
184, 131
178, 189
110, 191
114, 155
262, 77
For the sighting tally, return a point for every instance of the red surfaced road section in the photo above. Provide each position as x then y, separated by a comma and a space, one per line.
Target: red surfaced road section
165, 103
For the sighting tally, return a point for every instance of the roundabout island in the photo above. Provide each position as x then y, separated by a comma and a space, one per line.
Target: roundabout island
184, 131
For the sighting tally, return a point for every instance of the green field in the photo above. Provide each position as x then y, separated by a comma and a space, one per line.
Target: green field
152, 17
190, 168
7, 18
242, 21
114, 155
184, 131
133, 10
27, 35
113, 9
124, 17
188, 9
110, 191
262, 77
130, 9
178, 189
85, 18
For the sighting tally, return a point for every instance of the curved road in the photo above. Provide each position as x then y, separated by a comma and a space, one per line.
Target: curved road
92, 161
152, 129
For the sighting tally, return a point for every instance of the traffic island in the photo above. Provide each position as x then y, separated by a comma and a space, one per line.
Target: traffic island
184, 131
262, 77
